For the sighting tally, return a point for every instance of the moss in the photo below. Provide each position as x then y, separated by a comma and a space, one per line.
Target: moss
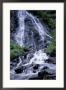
16, 50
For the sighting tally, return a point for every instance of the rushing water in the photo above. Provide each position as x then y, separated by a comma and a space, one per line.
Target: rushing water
20, 32
35, 61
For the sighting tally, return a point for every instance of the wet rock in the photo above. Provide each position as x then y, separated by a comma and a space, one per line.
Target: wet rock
35, 78
13, 63
36, 66
45, 68
51, 60
53, 53
46, 75
41, 74
30, 55
19, 70
50, 77
34, 71
15, 60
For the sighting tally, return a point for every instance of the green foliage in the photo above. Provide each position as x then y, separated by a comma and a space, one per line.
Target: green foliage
47, 17
16, 50
51, 47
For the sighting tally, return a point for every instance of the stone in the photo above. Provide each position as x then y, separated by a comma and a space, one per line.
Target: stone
53, 54
19, 70
36, 66
51, 60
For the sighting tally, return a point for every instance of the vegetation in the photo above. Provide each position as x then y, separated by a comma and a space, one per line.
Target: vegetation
16, 50
52, 45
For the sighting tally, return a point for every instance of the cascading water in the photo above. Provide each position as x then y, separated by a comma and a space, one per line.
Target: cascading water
35, 61
20, 32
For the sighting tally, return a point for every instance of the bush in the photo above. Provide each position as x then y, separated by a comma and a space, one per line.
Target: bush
16, 50
51, 47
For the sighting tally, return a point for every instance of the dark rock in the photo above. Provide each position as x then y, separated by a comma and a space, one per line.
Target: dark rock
41, 74
13, 63
25, 56
45, 41
45, 68
30, 55
50, 77
13, 21
34, 71
19, 70
35, 78
50, 71
46, 75
28, 22
45, 46
36, 66
53, 53
51, 60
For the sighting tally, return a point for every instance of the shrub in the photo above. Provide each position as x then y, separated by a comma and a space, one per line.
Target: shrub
16, 50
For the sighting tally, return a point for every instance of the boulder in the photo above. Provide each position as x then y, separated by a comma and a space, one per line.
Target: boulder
35, 66
53, 53
46, 75
51, 60
19, 70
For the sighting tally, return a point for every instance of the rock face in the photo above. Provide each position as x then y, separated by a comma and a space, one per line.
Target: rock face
36, 64
13, 23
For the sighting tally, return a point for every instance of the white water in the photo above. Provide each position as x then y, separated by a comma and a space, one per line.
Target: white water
39, 56
38, 26
22, 15
19, 37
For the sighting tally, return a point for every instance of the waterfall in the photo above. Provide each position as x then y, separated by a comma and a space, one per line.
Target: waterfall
38, 26
19, 37
22, 15
25, 36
